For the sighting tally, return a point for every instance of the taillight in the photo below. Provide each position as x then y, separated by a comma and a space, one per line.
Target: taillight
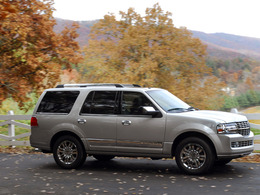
34, 122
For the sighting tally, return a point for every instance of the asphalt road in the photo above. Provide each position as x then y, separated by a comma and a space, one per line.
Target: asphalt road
38, 174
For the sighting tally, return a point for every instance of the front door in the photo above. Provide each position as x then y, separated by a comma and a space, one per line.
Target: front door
136, 131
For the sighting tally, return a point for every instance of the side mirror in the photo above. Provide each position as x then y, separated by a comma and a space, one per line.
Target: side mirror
149, 110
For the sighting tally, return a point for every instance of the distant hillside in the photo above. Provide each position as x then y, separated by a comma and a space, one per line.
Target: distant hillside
83, 31
220, 45
227, 45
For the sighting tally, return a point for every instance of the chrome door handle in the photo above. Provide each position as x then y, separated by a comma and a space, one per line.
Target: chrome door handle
82, 121
126, 122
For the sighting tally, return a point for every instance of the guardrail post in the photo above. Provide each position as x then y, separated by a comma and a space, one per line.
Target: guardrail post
11, 127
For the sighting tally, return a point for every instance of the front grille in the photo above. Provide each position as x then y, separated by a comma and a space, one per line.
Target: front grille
244, 131
243, 128
241, 144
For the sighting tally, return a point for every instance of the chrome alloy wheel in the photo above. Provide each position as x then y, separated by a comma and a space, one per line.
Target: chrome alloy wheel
67, 152
193, 156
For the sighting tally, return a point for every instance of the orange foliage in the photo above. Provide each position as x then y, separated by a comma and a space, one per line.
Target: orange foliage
31, 53
151, 52
69, 76
249, 83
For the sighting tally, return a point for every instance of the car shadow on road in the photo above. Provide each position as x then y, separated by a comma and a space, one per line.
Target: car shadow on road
166, 167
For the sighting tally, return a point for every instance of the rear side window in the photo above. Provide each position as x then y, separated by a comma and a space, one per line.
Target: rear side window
58, 102
100, 102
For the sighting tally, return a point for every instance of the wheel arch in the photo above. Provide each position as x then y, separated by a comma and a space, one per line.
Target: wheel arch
192, 134
62, 133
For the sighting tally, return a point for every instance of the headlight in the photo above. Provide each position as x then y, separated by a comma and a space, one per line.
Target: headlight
227, 128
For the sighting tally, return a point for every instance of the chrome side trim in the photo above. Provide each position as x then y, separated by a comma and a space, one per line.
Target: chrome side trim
101, 142
124, 143
144, 144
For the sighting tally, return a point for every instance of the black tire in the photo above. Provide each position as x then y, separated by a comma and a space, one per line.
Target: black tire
69, 152
103, 157
222, 162
194, 156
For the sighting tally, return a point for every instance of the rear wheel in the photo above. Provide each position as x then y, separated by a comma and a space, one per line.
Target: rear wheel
103, 157
194, 156
68, 152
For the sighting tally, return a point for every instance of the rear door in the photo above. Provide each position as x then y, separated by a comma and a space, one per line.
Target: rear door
98, 119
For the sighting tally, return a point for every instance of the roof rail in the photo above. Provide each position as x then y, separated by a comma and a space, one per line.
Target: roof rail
97, 85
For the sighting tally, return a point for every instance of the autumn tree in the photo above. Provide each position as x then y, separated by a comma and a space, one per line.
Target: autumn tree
151, 52
31, 53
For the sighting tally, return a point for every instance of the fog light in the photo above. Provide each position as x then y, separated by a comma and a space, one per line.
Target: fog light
235, 145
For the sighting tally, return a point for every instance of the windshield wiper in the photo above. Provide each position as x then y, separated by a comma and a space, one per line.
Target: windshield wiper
192, 109
182, 109
172, 109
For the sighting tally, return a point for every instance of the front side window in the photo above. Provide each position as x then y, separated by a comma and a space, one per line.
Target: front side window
132, 103
100, 102
58, 102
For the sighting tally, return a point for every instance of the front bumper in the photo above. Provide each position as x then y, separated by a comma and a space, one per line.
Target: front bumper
235, 145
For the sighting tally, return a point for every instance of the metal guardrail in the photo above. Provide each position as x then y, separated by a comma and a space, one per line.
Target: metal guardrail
249, 116
253, 117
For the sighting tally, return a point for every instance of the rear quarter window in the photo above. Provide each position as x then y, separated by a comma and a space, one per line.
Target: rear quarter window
58, 102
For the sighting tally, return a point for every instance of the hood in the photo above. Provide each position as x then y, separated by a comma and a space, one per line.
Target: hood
218, 116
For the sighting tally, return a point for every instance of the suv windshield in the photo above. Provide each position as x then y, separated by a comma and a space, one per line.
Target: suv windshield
168, 101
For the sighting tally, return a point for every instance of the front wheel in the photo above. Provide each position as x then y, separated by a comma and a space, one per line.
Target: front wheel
194, 156
68, 152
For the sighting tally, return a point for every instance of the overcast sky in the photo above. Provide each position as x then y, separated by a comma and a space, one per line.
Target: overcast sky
239, 17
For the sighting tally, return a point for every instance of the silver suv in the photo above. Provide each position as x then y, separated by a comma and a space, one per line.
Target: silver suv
73, 121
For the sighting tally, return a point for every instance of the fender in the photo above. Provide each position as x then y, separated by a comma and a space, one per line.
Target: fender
173, 132
69, 128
